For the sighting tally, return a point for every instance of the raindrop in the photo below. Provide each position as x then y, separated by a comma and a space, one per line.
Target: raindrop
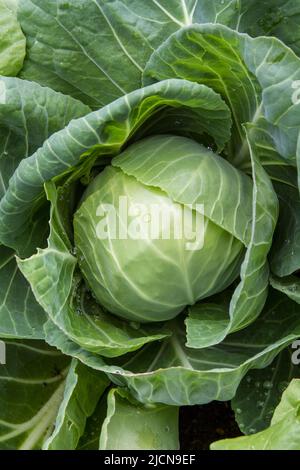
268, 385
73, 250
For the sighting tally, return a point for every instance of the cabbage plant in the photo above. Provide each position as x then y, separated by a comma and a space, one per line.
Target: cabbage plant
149, 220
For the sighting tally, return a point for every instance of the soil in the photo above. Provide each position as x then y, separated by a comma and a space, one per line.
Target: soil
202, 425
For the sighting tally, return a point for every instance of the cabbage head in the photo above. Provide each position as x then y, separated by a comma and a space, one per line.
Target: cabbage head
151, 272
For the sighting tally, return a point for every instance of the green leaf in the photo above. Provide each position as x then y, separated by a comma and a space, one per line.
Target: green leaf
260, 392
169, 372
29, 114
132, 426
250, 295
20, 315
278, 18
31, 389
234, 64
284, 432
289, 286
12, 41
285, 254
210, 54
90, 439
62, 37
84, 387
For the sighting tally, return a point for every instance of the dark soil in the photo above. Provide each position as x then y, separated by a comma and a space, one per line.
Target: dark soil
202, 425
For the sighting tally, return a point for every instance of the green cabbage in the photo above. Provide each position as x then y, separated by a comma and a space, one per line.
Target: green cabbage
153, 278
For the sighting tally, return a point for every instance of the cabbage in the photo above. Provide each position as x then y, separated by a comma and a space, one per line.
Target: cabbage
142, 260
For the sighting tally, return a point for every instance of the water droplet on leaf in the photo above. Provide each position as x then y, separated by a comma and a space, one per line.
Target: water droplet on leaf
268, 385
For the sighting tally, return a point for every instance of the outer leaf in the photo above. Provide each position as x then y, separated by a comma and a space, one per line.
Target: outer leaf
173, 374
12, 40
288, 403
127, 31
90, 438
32, 386
83, 388
283, 434
104, 132
289, 285
194, 53
285, 255
209, 54
62, 37
29, 114
20, 314
260, 392
152, 427
278, 18
250, 295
